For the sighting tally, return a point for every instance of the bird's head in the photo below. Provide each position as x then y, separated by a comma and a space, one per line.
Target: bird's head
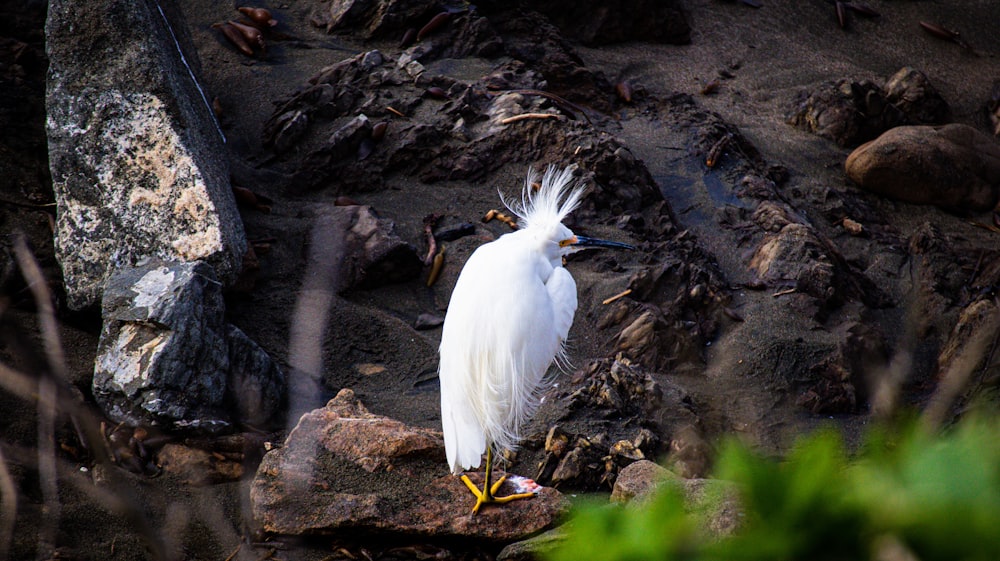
544, 204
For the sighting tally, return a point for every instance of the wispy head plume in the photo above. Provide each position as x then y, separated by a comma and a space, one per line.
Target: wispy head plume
550, 203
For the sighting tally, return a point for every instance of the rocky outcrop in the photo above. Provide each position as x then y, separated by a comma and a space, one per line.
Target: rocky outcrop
850, 113
136, 158
953, 166
166, 356
343, 468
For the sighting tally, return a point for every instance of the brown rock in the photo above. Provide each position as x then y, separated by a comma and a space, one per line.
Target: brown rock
638, 480
343, 468
953, 166
714, 501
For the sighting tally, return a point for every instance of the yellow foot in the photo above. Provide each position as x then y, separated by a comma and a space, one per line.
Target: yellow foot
487, 495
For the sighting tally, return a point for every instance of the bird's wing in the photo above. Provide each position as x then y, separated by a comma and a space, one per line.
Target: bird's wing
464, 439
499, 337
465, 325
562, 291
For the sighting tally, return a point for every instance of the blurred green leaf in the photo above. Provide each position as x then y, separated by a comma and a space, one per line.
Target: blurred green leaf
931, 496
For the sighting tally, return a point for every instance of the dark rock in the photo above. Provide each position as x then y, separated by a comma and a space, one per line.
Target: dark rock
137, 163
378, 17
376, 255
339, 149
850, 113
953, 166
166, 356
846, 112
255, 385
345, 469
910, 90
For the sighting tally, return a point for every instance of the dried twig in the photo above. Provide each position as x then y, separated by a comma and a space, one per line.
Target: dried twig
8, 508
525, 116
562, 102
618, 296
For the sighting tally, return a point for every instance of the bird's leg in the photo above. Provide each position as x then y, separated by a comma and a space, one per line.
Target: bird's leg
487, 494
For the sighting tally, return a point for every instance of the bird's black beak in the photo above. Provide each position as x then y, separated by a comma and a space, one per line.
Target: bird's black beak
582, 242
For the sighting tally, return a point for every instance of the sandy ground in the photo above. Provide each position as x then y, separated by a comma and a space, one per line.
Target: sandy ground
761, 57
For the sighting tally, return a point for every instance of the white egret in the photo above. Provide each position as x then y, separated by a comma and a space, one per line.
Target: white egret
507, 320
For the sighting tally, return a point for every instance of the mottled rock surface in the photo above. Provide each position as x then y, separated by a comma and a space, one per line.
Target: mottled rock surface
954, 166
137, 161
167, 357
320, 481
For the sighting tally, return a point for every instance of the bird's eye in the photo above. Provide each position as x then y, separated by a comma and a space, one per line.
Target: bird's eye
567, 241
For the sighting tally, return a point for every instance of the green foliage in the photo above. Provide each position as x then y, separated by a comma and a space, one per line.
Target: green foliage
613, 534
932, 496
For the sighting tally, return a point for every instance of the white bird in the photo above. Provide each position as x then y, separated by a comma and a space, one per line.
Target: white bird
507, 320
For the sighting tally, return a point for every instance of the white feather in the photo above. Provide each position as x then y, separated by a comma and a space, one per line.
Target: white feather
509, 315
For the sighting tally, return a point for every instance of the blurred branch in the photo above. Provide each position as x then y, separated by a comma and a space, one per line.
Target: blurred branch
8, 508
311, 316
48, 480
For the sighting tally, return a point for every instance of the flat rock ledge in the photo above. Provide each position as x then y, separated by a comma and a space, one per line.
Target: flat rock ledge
343, 468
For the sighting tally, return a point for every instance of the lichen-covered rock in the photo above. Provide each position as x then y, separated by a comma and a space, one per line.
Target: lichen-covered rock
953, 166
321, 481
136, 158
166, 356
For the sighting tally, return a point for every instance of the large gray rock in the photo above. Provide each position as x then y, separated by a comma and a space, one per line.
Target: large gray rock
137, 162
167, 357
344, 469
